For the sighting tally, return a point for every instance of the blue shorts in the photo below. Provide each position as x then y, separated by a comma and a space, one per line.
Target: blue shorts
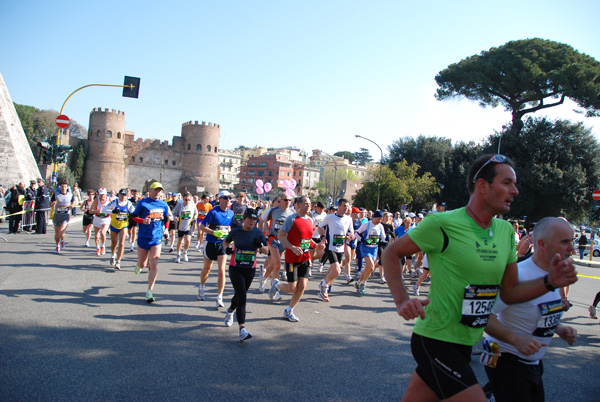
368, 251
114, 229
146, 244
352, 244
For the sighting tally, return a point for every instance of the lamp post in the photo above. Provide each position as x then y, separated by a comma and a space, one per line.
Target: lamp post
334, 175
380, 166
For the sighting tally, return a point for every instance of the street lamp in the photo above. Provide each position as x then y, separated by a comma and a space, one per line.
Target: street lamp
334, 175
380, 166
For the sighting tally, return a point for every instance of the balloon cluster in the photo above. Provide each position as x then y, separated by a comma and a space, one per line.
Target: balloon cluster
262, 187
289, 186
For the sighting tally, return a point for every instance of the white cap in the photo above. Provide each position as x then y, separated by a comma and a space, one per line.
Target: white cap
102, 191
411, 214
224, 193
420, 216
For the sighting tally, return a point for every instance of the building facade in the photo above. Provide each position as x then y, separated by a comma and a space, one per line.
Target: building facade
229, 163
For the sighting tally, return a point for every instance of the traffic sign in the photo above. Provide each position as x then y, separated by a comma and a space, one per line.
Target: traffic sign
62, 121
596, 195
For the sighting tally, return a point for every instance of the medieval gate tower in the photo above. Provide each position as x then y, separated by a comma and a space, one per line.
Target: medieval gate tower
200, 157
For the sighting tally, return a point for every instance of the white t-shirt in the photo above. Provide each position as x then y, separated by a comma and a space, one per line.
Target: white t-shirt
538, 317
371, 233
336, 228
317, 219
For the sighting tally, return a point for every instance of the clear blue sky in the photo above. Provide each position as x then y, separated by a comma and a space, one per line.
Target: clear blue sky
275, 73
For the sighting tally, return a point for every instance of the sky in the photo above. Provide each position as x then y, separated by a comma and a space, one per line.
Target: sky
309, 74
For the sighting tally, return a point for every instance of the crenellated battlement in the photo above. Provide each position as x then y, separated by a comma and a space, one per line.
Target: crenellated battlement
196, 123
151, 143
99, 110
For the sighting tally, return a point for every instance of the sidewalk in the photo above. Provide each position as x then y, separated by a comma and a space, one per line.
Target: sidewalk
586, 263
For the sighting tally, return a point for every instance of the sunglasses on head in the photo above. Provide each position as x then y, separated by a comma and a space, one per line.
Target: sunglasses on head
495, 158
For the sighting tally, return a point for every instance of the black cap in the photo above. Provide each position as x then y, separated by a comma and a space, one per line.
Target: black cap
251, 213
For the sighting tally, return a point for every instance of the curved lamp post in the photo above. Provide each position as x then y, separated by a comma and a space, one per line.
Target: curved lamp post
380, 166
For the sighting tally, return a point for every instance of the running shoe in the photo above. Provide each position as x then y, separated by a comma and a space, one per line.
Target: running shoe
283, 276
357, 285
200, 292
361, 289
171, 249
415, 290
273, 290
290, 315
137, 269
118, 265
178, 259
592, 311
277, 296
261, 283
102, 250
62, 244
87, 244
131, 248
349, 280
320, 266
97, 251
57, 249
219, 302
198, 246
244, 334
382, 281
149, 297
229, 319
413, 274
112, 260
185, 257
419, 271
323, 295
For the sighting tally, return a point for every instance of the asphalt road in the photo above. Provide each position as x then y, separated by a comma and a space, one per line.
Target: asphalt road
73, 328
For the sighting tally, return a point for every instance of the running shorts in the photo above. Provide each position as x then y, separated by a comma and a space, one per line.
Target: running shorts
297, 270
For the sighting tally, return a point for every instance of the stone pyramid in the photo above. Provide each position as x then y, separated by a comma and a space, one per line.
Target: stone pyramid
16, 159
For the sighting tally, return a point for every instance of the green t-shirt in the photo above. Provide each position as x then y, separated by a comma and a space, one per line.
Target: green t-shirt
466, 265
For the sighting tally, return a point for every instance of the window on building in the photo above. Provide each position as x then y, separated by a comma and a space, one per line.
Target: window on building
119, 135
133, 158
288, 174
251, 172
141, 159
261, 172
189, 146
166, 162
109, 134
199, 147
173, 163
216, 149
253, 163
98, 133
208, 148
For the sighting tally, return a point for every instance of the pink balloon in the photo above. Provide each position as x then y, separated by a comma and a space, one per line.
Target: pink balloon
259, 183
290, 192
259, 190
267, 187
286, 184
292, 183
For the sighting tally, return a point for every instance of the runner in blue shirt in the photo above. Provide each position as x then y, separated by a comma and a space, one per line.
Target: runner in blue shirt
153, 215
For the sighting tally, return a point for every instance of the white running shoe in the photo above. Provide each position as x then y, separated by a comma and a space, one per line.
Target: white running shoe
201, 292
113, 259
178, 259
228, 318
273, 290
277, 296
185, 257
87, 243
320, 266
289, 314
118, 265
382, 281
244, 334
415, 290
220, 302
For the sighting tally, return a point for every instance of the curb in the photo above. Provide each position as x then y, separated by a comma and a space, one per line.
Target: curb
591, 264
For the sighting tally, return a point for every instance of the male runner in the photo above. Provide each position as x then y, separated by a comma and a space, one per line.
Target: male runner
153, 216
185, 214
63, 202
470, 254
217, 224
295, 234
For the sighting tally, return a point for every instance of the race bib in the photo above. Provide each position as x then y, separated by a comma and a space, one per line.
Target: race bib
277, 225
477, 305
156, 214
245, 258
122, 216
62, 210
338, 240
102, 215
185, 215
372, 241
551, 314
237, 217
305, 245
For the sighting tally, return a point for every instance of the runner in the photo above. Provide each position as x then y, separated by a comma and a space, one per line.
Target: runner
295, 235
370, 234
88, 218
119, 210
242, 266
203, 207
185, 214
238, 207
101, 220
217, 224
153, 216
337, 229
470, 253
172, 201
62, 201
133, 226
317, 215
523, 331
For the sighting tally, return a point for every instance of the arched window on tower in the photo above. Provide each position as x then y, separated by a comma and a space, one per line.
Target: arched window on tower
141, 159
119, 135
173, 163
108, 134
189, 146
98, 133
166, 162
216, 150
208, 148
133, 158
199, 147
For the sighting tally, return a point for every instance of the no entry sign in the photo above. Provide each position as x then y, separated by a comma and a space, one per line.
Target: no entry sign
63, 121
596, 195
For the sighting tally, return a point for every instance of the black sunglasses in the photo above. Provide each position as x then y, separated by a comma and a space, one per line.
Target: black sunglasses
495, 158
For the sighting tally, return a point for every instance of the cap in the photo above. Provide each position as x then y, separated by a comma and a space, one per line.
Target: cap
39, 179
356, 210
156, 185
241, 194
377, 214
420, 216
32, 182
224, 193
411, 214
250, 213
123, 191
101, 191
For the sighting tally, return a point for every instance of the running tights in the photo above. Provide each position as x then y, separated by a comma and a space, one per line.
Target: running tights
241, 279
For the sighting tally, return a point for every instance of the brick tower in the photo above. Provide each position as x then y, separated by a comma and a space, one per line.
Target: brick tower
200, 157
104, 166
